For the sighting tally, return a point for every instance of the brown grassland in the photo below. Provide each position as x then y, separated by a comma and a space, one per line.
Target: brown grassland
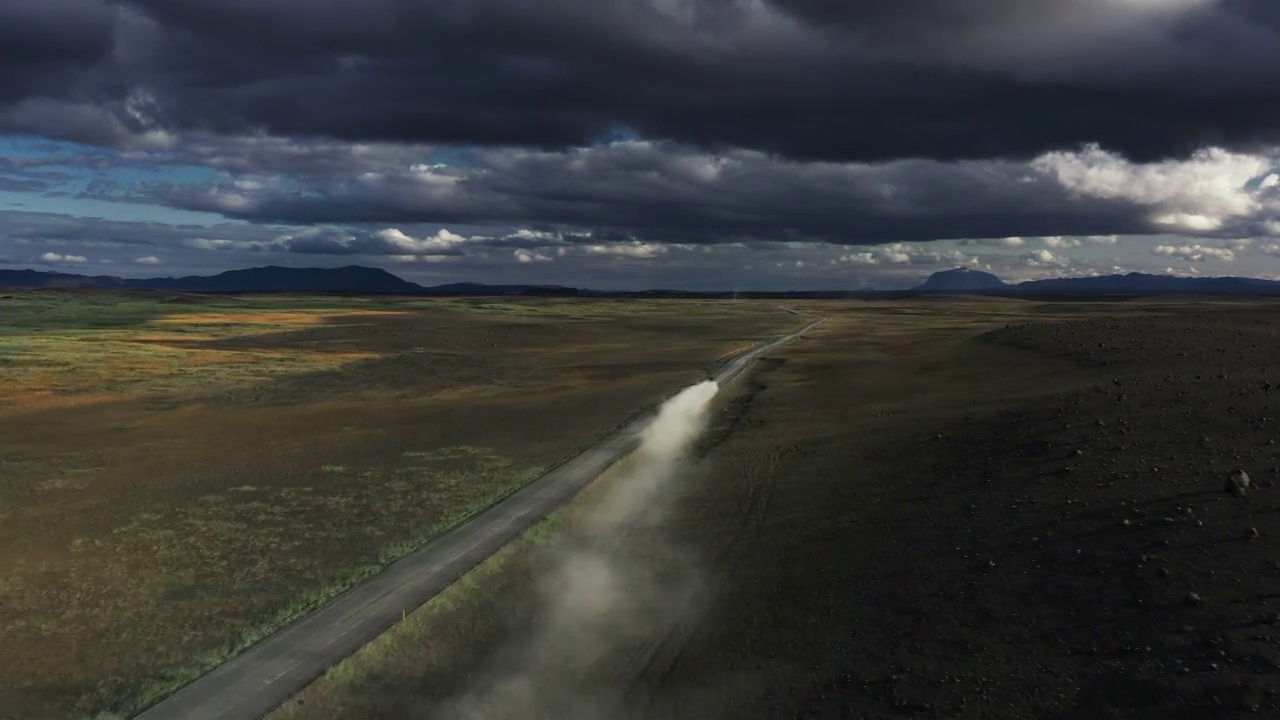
181, 474
960, 508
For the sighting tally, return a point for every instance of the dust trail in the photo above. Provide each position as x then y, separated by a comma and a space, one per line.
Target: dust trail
603, 595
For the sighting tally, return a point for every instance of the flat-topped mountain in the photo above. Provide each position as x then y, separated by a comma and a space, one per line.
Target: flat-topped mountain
961, 278
352, 278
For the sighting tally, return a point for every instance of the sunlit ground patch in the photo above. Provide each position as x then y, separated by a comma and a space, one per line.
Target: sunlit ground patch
39, 368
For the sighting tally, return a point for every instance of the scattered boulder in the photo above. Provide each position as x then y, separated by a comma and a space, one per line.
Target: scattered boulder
1238, 483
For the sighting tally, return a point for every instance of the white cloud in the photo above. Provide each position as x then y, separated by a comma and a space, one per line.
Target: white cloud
527, 234
862, 258
1055, 241
442, 241
1197, 194
1195, 253
633, 249
1270, 181
1007, 242
530, 256
1042, 258
421, 258
57, 259
1188, 221
907, 254
148, 260
437, 180
200, 243
1100, 239
391, 242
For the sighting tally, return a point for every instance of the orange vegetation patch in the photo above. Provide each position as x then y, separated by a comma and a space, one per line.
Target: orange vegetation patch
127, 367
312, 358
301, 317
167, 338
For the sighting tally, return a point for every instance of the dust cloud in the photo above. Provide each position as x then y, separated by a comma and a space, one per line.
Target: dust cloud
612, 599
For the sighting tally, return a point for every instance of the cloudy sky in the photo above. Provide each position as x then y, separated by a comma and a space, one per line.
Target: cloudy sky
718, 144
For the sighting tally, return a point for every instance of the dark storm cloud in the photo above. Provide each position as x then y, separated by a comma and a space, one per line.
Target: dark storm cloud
43, 39
54, 31
816, 79
657, 191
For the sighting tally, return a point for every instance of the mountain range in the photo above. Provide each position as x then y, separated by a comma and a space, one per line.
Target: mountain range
366, 280
349, 279
969, 280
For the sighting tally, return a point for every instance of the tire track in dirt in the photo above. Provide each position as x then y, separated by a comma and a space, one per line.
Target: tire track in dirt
725, 533
654, 670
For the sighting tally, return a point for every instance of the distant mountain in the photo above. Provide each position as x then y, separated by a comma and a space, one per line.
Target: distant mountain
961, 279
469, 288
31, 279
1143, 283
352, 278
357, 279
966, 280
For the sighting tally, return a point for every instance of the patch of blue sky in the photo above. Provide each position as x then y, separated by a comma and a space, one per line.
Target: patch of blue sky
91, 161
71, 170
460, 156
615, 134
26, 146
104, 209
1256, 183
177, 174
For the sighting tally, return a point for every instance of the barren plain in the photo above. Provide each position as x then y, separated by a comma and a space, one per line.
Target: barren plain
959, 508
